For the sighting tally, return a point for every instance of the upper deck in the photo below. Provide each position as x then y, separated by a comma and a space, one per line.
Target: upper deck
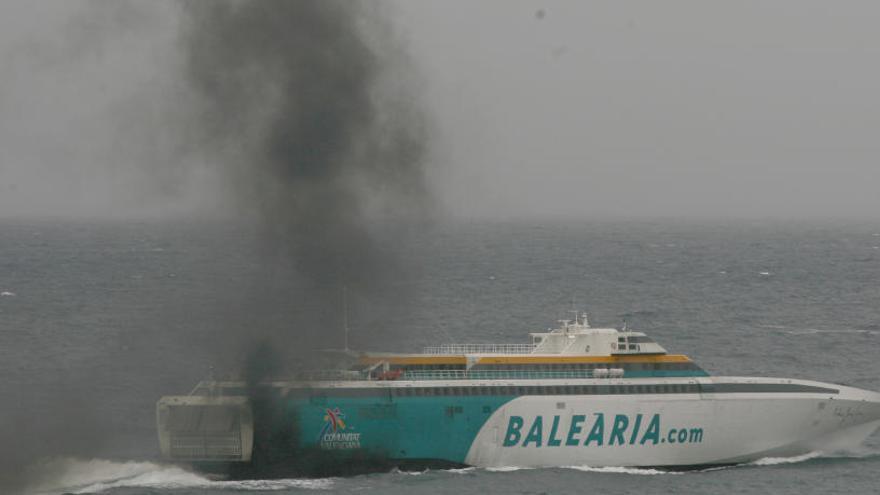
574, 347
572, 338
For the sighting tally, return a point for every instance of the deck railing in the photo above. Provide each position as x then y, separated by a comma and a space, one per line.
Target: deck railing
420, 375
479, 349
492, 374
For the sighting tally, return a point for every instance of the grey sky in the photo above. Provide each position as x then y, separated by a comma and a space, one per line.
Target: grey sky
655, 108
731, 109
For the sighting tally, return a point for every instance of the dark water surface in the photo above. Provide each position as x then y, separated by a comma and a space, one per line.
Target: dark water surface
100, 319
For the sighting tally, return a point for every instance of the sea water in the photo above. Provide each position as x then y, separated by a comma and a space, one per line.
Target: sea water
100, 318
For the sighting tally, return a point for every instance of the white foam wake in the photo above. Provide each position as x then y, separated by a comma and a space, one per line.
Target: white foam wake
507, 469
589, 469
96, 476
621, 470
773, 461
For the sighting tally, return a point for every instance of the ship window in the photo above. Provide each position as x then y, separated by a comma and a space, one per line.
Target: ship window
621, 339
632, 347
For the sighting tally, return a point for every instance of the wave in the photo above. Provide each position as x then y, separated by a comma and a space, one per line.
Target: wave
869, 330
95, 476
507, 469
765, 461
589, 469
773, 461
813, 331
621, 470
460, 470
67, 475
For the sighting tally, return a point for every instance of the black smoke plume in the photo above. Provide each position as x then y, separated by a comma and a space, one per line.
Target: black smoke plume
307, 112
305, 107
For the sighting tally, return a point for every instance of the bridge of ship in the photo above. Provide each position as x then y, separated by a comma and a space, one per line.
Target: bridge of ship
575, 350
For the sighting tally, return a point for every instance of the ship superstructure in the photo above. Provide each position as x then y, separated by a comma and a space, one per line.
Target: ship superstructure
574, 395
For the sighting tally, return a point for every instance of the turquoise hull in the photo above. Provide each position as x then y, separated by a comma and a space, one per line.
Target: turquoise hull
402, 428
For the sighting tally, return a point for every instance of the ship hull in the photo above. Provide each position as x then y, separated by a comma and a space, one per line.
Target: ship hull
721, 421
656, 431
333, 428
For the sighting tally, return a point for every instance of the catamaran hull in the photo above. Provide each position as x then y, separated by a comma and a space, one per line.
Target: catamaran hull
690, 430
633, 422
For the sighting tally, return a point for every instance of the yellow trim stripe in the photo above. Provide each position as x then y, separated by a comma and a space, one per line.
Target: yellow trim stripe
665, 358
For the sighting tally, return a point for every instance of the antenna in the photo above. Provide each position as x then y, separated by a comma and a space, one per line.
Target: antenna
345, 315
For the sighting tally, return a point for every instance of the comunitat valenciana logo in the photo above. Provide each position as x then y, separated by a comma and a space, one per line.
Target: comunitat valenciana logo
333, 435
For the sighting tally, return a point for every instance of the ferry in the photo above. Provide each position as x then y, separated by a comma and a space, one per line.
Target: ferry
570, 396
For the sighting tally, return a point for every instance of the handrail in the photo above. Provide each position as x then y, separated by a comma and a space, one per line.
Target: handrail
419, 375
479, 349
492, 374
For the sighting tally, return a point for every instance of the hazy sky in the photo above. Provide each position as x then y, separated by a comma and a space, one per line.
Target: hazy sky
728, 109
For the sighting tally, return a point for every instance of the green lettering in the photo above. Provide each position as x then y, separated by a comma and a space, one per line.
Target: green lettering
635, 432
597, 433
653, 431
574, 429
553, 441
535, 433
513, 427
620, 424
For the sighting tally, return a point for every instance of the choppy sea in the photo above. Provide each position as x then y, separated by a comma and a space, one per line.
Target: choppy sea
99, 319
